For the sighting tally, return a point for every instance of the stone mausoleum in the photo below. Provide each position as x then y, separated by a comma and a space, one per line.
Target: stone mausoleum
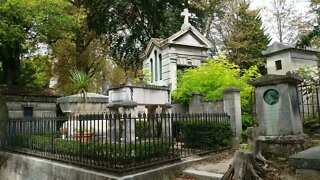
164, 57
282, 58
30, 102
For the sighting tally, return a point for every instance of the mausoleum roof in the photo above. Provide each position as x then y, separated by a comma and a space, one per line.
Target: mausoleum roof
173, 40
28, 91
279, 47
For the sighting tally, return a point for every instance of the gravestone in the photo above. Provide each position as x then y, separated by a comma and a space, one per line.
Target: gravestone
77, 105
131, 98
278, 115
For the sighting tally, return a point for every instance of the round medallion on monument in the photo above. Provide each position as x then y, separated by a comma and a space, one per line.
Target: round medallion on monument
271, 96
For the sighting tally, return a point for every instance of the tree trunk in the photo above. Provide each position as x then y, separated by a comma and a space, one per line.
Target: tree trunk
248, 165
10, 58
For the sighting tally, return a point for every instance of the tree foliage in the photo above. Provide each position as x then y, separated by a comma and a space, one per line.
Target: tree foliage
24, 24
285, 22
212, 78
242, 34
311, 38
129, 24
35, 71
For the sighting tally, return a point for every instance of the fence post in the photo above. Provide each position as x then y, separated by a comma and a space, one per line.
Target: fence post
232, 106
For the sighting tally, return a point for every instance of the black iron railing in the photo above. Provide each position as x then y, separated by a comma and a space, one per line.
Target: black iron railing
119, 142
308, 95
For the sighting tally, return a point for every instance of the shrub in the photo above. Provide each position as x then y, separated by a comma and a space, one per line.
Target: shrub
208, 135
244, 135
212, 78
94, 150
141, 128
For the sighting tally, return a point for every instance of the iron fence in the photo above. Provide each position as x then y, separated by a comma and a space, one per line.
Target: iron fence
308, 95
117, 142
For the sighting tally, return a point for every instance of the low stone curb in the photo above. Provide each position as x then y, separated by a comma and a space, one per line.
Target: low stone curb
203, 175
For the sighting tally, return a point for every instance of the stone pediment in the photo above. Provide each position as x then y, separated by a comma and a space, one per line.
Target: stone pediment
188, 37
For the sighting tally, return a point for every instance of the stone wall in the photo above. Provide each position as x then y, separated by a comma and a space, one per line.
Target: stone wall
41, 101
198, 105
15, 166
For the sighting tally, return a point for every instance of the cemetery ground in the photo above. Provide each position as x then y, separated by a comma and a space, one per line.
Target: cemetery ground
216, 164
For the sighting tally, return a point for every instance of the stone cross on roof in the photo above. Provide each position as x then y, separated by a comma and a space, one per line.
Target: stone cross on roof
186, 23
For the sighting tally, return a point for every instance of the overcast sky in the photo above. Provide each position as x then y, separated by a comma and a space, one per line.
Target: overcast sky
301, 6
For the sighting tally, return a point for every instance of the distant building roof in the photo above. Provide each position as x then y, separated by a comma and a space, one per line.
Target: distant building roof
278, 47
28, 91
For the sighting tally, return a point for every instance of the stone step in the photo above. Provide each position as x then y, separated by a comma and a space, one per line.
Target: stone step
202, 175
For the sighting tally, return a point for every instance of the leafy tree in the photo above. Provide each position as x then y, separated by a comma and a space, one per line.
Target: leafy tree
24, 24
35, 71
212, 78
94, 63
129, 24
311, 38
285, 21
242, 34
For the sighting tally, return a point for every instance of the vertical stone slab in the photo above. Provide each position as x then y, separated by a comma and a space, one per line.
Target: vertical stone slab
152, 121
277, 109
277, 105
131, 115
113, 124
173, 72
166, 122
3, 119
232, 106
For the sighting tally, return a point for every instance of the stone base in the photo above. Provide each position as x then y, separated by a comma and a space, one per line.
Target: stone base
308, 159
281, 147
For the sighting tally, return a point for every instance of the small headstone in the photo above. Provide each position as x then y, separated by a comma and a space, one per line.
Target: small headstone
308, 159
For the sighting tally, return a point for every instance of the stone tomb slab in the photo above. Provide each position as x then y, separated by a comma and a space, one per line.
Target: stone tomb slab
307, 159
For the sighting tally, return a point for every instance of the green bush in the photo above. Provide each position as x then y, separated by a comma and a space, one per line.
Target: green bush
244, 135
208, 135
312, 123
93, 150
141, 128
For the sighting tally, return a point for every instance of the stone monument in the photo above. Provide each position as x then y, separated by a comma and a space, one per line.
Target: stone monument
184, 49
278, 115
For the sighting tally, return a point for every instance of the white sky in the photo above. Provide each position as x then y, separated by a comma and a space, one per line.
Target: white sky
301, 6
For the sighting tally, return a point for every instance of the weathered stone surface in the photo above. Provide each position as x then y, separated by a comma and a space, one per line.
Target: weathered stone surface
92, 103
275, 147
278, 115
290, 57
41, 100
232, 106
308, 159
271, 79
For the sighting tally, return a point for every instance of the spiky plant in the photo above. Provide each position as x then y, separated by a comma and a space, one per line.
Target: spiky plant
82, 83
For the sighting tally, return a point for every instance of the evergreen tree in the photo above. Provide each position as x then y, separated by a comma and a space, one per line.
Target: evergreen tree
242, 35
